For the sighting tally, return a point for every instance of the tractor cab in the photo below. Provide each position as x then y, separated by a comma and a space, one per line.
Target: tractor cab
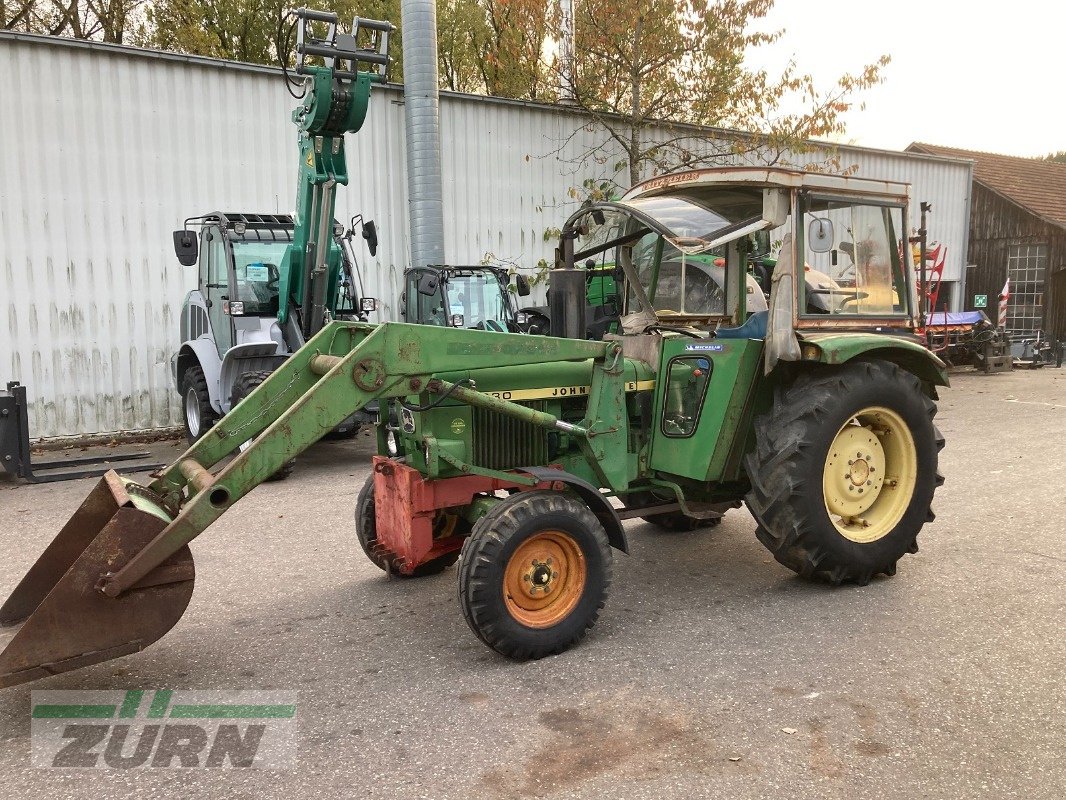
476, 297
744, 252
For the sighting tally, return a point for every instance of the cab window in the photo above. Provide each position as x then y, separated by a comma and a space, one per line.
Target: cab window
852, 264
686, 384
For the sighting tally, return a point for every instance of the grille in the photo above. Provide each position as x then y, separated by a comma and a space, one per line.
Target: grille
502, 442
194, 323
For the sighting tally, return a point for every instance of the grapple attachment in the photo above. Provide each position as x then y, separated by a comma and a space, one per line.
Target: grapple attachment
58, 620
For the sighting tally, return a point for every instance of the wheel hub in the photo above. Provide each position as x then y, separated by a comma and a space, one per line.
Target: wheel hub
870, 473
192, 412
539, 578
544, 579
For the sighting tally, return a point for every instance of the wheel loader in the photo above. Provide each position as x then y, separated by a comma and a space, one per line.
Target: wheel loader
521, 456
268, 282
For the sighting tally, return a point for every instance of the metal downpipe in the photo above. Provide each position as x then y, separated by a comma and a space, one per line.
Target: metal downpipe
422, 120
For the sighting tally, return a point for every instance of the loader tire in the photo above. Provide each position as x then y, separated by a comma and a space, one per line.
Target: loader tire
844, 471
243, 386
197, 412
534, 574
366, 534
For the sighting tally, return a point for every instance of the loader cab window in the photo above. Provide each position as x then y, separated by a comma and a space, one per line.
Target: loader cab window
215, 287
686, 385
851, 255
478, 296
256, 275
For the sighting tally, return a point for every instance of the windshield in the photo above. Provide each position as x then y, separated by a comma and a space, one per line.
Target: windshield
477, 295
256, 275
676, 282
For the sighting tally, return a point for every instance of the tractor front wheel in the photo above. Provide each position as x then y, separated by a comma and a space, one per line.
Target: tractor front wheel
844, 470
534, 574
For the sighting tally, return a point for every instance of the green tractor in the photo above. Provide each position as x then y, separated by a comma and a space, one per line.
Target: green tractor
521, 456
478, 297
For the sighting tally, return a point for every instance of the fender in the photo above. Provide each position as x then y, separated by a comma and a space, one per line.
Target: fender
599, 504
200, 352
839, 348
253, 356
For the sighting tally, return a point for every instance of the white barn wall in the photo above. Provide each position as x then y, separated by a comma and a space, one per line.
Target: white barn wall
107, 149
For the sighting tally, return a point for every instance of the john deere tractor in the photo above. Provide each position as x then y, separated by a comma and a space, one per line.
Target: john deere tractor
522, 456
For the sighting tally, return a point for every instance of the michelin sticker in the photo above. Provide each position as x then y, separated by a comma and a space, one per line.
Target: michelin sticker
706, 348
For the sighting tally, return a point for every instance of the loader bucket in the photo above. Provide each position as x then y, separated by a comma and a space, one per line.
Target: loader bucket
57, 620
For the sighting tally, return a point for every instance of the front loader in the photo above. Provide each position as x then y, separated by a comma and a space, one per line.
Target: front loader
521, 456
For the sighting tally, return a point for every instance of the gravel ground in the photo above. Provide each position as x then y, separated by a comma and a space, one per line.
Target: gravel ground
946, 681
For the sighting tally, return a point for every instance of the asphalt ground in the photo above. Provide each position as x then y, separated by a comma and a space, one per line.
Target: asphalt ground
946, 681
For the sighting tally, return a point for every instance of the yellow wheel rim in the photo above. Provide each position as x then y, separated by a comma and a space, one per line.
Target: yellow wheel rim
544, 579
870, 473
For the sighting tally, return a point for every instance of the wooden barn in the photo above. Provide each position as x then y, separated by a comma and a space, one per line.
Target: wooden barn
1017, 231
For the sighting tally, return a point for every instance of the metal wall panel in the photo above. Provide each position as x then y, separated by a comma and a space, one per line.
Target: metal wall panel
112, 147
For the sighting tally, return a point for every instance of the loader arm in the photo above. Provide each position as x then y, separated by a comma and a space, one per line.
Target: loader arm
120, 574
338, 372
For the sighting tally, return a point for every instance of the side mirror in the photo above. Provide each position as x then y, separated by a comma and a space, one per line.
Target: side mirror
820, 235
370, 234
428, 283
185, 247
522, 284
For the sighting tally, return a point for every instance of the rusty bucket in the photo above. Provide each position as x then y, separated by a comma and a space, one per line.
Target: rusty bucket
57, 620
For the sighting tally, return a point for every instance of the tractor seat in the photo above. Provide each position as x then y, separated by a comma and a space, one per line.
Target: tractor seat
754, 327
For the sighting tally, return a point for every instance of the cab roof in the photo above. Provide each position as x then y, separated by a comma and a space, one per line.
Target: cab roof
768, 176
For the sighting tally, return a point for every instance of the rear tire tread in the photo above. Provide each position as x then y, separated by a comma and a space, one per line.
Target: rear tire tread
779, 471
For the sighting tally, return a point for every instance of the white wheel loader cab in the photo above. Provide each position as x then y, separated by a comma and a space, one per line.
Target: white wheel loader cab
231, 323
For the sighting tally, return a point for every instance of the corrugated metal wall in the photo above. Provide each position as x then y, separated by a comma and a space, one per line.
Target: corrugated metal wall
111, 148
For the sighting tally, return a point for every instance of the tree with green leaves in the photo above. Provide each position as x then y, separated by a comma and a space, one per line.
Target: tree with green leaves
253, 31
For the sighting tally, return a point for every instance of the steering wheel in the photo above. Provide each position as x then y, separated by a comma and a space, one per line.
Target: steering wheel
675, 329
859, 295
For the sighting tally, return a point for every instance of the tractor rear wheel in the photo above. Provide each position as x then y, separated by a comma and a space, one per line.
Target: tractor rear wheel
844, 471
366, 533
534, 574
196, 408
243, 386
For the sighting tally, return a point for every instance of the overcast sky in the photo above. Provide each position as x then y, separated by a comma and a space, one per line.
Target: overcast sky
975, 75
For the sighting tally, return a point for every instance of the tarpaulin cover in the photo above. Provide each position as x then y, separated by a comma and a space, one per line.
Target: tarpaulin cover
956, 318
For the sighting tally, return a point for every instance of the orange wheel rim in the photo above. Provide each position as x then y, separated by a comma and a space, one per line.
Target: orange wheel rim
544, 579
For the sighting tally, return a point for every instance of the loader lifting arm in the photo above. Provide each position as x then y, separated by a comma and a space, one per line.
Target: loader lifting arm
119, 575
